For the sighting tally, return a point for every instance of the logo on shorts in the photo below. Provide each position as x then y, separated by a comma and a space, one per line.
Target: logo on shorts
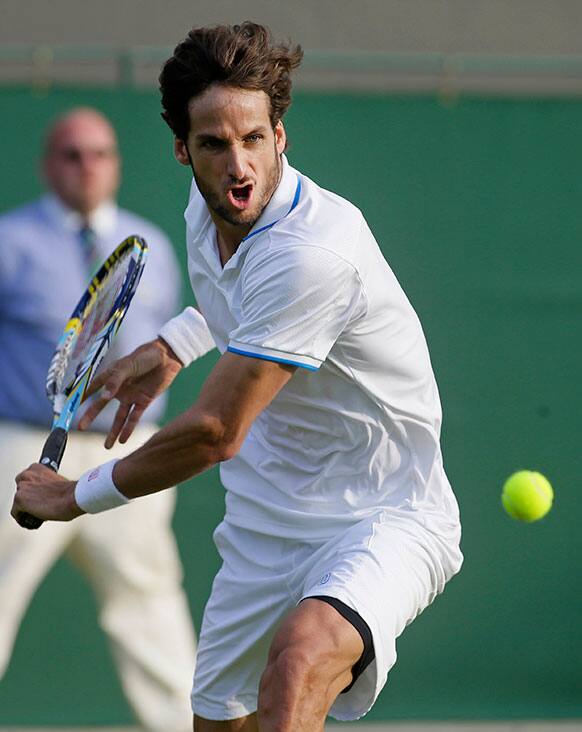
94, 474
325, 579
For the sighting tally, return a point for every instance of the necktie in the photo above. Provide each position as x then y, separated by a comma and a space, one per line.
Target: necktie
88, 241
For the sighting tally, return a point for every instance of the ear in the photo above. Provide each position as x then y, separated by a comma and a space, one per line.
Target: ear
181, 152
280, 137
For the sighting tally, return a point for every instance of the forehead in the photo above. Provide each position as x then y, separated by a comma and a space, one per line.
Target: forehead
85, 131
224, 110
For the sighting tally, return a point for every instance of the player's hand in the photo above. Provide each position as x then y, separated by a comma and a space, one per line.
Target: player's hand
45, 494
135, 381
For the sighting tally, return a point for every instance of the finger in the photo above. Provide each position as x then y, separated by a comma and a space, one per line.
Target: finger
17, 505
15, 511
25, 474
117, 426
112, 378
97, 382
92, 411
131, 423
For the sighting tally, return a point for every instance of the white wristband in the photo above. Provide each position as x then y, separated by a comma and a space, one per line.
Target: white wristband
188, 335
95, 490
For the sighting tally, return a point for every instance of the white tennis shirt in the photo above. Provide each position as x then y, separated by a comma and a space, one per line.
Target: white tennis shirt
356, 429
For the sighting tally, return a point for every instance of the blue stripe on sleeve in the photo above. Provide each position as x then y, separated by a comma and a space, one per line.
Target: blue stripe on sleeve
272, 358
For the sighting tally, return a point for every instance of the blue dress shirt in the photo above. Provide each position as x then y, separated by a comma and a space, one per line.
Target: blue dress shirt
43, 272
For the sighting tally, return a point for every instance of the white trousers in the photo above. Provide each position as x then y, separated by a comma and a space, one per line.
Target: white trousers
130, 558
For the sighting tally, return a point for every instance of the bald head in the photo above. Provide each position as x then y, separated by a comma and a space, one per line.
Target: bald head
81, 162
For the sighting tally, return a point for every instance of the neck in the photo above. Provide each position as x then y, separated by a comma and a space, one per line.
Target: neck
82, 211
228, 236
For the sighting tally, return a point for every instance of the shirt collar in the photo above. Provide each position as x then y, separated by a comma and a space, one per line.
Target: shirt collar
198, 218
280, 202
102, 220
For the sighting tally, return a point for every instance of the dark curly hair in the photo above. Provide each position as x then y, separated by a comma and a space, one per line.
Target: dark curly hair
242, 56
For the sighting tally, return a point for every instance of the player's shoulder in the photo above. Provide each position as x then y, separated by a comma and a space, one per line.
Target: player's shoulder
329, 201
327, 213
293, 262
323, 226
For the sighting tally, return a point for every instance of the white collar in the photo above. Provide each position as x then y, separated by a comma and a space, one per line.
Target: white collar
281, 200
102, 220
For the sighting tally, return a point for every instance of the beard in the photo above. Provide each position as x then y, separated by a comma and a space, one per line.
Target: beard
248, 218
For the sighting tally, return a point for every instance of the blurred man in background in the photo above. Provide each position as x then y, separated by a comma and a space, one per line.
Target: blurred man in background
130, 558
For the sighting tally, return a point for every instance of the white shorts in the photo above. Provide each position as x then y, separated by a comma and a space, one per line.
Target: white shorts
387, 569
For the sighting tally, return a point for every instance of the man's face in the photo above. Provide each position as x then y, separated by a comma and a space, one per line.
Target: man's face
235, 153
81, 163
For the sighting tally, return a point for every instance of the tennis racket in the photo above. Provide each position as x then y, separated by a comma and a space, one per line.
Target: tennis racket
85, 341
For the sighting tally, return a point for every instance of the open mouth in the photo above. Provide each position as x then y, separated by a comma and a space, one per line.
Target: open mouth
240, 196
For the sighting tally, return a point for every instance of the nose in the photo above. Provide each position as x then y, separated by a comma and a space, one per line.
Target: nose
87, 162
236, 165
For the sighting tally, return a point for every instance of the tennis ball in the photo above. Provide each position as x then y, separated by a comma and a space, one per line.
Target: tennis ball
527, 495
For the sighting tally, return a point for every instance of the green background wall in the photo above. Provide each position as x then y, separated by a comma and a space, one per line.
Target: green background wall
476, 203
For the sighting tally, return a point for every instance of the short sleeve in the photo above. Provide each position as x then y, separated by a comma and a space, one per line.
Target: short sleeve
295, 304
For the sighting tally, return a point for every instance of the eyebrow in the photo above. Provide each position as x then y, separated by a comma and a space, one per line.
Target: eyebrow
203, 137
207, 137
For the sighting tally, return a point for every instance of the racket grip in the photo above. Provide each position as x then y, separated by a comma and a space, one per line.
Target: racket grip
52, 454
54, 449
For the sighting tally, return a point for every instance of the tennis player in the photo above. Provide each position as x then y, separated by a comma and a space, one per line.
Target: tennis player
323, 412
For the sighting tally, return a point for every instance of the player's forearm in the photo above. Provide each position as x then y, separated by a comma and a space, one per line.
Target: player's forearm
211, 431
187, 446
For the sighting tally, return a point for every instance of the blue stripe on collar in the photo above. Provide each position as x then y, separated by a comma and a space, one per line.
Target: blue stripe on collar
268, 226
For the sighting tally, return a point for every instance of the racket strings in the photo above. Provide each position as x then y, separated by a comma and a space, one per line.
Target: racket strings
93, 325
58, 367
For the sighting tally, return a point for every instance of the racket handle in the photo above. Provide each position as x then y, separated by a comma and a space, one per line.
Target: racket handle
54, 449
52, 454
